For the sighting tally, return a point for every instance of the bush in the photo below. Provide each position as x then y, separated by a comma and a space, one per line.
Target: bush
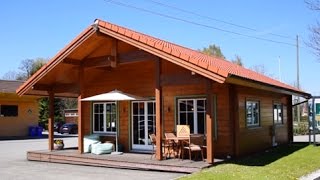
300, 128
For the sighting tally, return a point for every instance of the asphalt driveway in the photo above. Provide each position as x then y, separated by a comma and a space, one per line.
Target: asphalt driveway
14, 165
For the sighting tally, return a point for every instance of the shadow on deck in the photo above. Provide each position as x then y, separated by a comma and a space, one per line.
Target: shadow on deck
124, 161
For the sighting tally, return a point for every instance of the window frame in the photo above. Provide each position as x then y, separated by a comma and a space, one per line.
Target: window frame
195, 112
252, 125
105, 131
276, 121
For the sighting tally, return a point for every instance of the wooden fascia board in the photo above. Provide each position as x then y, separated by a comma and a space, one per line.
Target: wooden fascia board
55, 61
164, 55
264, 86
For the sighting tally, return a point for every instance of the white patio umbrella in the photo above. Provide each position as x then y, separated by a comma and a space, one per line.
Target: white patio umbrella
114, 95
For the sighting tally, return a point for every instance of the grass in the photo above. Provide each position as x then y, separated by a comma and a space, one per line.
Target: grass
284, 162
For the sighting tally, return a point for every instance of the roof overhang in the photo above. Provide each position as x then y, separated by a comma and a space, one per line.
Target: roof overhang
264, 86
31, 82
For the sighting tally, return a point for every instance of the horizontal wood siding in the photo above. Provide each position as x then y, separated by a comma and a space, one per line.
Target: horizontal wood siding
131, 79
252, 139
138, 79
223, 144
27, 115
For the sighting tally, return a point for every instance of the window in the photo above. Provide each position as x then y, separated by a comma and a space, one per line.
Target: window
192, 112
105, 117
252, 113
8, 110
277, 113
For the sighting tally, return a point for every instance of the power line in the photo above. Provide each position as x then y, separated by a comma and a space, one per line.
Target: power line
195, 23
215, 19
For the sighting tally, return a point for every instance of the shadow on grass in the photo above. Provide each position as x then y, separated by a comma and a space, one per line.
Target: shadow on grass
268, 156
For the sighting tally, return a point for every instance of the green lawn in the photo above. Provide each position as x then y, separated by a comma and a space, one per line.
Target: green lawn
285, 162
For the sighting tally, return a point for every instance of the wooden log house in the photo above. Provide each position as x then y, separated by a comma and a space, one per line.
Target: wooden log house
239, 110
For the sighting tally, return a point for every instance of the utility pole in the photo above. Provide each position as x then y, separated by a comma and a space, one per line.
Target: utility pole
298, 80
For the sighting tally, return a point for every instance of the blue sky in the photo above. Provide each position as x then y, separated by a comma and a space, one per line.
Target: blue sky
37, 28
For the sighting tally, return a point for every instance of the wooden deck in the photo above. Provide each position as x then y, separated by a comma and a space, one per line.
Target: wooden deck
124, 161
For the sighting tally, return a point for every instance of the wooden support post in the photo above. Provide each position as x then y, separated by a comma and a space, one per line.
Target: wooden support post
158, 94
210, 124
80, 114
51, 120
234, 118
290, 119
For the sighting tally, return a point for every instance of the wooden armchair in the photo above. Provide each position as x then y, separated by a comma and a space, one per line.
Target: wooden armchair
195, 144
153, 141
171, 143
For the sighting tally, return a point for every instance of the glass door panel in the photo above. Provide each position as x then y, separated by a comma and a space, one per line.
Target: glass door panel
143, 124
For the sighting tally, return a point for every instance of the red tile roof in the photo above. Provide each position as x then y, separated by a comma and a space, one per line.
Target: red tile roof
216, 65
211, 67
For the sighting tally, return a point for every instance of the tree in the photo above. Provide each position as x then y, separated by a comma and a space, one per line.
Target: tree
10, 75
237, 60
259, 69
262, 70
25, 67
314, 40
44, 110
70, 103
37, 64
213, 50
30, 66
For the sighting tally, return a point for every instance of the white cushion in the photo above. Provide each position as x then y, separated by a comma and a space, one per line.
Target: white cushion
88, 141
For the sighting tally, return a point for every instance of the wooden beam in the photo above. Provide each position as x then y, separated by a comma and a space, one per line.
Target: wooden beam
136, 56
210, 123
96, 62
58, 88
68, 87
42, 87
80, 112
114, 59
158, 94
114, 53
75, 62
51, 120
